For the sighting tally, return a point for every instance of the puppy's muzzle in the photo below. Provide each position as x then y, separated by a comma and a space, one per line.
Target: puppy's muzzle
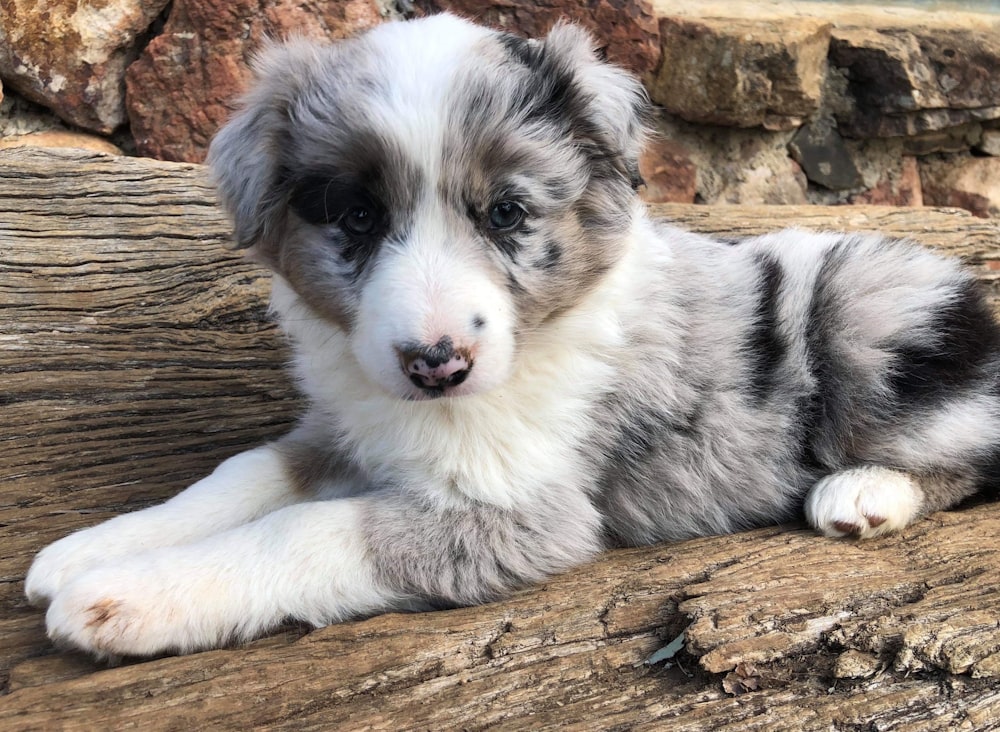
434, 369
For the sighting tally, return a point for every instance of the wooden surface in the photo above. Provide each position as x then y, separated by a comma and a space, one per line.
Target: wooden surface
135, 354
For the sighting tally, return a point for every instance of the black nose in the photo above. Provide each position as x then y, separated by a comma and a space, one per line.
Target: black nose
435, 368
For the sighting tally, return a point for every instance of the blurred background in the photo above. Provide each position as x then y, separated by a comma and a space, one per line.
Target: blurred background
768, 102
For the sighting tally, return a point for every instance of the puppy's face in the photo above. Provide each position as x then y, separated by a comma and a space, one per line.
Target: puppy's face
437, 190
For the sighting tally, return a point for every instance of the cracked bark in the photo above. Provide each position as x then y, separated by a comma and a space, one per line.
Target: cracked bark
135, 355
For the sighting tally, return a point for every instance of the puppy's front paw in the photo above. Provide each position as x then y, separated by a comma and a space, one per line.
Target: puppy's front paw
60, 562
127, 609
863, 502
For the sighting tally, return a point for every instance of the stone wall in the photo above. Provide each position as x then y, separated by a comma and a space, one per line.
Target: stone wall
760, 102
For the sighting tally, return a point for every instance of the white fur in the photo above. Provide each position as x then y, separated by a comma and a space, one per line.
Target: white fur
228, 558
875, 500
241, 489
964, 428
419, 89
423, 292
233, 585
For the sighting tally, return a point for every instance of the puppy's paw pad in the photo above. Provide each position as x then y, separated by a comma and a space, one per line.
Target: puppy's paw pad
847, 528
863, 502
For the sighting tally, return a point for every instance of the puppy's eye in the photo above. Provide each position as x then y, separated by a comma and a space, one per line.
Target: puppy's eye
506, 215
360, 220
322, 201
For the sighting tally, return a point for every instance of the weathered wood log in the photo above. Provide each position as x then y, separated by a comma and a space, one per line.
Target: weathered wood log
135, 354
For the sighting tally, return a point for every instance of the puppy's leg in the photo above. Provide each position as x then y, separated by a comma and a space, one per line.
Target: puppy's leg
241, 489
319, 562
873, 500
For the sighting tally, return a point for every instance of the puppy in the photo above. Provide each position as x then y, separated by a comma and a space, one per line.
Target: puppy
511, 367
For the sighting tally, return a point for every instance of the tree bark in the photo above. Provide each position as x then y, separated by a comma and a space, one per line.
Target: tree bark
136, 353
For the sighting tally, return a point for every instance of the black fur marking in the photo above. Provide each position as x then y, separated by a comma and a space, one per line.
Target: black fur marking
324, 201
965, 351
364, 171
818, 409
321, 200
556, 98
328, 177
635, 177
550, 258
642, 430
552, 95
988, 468
765, 345
522, 51
645, 429
506, 243
515, 287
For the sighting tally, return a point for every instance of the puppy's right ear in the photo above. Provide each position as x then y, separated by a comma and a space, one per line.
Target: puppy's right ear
246, 156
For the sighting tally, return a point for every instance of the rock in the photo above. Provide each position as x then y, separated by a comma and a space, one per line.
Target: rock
670, 174
910, 70
61, 138
19, 116
963, 181
824, 157
779, 181
742, 72
906, 81
737, 165
71, 56
950, 140
184, 85
627, 27
899, 186
989, 143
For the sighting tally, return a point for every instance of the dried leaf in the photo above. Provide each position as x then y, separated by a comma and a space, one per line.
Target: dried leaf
731, 684
742, 679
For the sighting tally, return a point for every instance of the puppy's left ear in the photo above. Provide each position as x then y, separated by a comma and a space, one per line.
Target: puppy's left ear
613, 109
246, 155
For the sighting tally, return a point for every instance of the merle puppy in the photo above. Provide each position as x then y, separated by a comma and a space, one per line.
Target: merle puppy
511, 367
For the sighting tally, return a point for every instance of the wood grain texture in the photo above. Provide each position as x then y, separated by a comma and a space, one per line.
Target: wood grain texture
136, 353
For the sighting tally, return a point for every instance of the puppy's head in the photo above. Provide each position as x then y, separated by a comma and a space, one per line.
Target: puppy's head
435, 189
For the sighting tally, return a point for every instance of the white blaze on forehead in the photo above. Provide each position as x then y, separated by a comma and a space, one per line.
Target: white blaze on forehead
421, 48
423, 58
